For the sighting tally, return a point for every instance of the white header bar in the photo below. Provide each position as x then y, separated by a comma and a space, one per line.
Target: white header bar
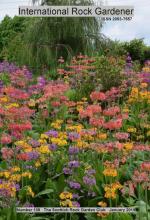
76, 11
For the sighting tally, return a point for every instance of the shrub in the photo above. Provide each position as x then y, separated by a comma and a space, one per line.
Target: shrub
136, 49
109, 71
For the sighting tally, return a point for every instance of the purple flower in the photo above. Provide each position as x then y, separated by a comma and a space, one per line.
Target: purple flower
90, 171
17, 187
53, 147
67, 170
1, 84
89, 180
7, 67
33, 155
73, 150
75, 196
76, 204
52, 133
41, 81
74, 163
34, 143
73, 135
74, 185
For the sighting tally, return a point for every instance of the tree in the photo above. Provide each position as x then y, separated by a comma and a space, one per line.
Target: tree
9, 28
48, 38
136, 48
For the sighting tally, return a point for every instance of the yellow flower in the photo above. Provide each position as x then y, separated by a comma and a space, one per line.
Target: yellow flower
19, 143
15, 177
131, 130
12, 105
37, 164
102, 136
126, 110
31, 103
24, 145
6, 174
44, 149
87, 137
62, 135
110, 172
27, 174
29, 191
117, 185
63, 203
133, 97
58, 141
44, 136
110, 194
15, 169
102, 204
42, 141
57, 124
134, 91
66, 203
65, 195
77, 128
143, 95
82, 144
110, 190
128, 146
146, 69
4, 99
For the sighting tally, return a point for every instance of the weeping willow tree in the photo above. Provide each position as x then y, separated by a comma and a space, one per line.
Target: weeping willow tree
48, 38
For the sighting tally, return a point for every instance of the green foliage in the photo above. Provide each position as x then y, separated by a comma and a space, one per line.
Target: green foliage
147, 53
136, 48
5, 78
109, 71
9, 28
112, 48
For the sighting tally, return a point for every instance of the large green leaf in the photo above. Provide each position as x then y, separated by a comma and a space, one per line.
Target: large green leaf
45, 192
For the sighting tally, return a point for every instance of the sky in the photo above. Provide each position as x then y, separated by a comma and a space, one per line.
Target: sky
138, 27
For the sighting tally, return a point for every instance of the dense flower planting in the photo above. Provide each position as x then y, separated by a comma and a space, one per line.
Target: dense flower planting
59, 151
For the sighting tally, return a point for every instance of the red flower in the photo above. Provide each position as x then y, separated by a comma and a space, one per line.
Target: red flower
113, 124
112, 111
6, 139
97, 122
98, 96
7, 153
145, 166
23, 156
